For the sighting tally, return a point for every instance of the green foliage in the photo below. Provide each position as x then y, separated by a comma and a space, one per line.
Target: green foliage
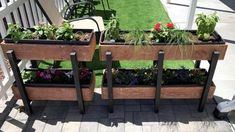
179, 37
206, 25
137, 36
65, 32
15, 32
27, 34
112, 29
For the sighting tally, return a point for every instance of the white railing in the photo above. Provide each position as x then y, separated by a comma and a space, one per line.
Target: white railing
27, 14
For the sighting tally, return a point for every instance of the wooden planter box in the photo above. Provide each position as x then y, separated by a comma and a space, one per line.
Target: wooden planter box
196, 51
183, 91
148, 92
52, 49
57, 92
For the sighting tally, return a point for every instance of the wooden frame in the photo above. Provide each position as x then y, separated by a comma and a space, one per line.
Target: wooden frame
148, 92
51, 51
57, 93
197, 51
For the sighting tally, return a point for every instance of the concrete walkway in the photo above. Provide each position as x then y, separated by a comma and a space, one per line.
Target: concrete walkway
224, 77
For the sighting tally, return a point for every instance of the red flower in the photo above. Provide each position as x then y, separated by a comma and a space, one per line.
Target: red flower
157, 26
38, 74
170, 25
83, 74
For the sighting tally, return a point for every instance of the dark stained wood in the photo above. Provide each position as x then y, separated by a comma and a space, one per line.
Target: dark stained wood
51, 51
167, 92
172, 52
60, 93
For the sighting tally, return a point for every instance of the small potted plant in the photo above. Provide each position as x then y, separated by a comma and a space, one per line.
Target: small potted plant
56, 84
141, 84
38, 43
177, 44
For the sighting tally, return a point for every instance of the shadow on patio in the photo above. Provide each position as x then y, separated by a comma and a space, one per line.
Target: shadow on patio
128, 114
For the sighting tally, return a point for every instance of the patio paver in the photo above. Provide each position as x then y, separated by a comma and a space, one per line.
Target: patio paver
135, 115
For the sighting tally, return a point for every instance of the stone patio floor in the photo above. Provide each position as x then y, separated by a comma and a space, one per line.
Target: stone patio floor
128, 116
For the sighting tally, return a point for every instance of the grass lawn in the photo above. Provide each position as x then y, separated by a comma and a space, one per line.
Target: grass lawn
141, 14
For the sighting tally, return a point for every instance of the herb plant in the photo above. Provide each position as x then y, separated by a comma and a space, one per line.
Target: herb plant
15, 32
65, 32
41, 31
206, 25
137, 36
112, 29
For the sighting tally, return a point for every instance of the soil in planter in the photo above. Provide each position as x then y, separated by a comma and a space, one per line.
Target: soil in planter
194, 38
135, 77
53, 76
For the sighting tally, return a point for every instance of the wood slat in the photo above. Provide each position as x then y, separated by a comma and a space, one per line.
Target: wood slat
51, 51
167, 92
172, 52
60, 93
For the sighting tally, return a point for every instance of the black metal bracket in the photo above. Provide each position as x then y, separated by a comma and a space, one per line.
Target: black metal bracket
197, 63
74, 61
214, 60
19, 81
109, 81
160, 56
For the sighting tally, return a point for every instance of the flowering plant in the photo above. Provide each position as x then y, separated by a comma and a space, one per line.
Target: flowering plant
56, 76
148, 76
162, 33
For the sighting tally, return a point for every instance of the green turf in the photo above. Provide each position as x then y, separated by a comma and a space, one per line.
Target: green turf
141, 14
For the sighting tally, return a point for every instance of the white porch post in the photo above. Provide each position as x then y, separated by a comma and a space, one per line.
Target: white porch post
191, 13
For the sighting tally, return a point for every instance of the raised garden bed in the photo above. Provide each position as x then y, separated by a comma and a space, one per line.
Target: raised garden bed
127, 84
42, 48
198, 50
57, 86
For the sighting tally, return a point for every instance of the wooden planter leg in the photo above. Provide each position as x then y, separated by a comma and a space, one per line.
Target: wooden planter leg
159, 80
109, 81
213, 63
197, 63
74, 62
19, 81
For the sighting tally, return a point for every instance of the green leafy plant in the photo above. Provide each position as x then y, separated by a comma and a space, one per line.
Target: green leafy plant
138, 37
40, 31
27, 34
15, 31
179, 37
206, 25
112, 29
50, 31
65, 32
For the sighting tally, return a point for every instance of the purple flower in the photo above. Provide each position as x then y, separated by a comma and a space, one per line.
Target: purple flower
134, 82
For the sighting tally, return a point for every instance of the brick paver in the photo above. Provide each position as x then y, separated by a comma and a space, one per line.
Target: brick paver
129, 116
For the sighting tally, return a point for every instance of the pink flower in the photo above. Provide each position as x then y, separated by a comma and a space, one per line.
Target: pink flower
157, 26
170, 25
